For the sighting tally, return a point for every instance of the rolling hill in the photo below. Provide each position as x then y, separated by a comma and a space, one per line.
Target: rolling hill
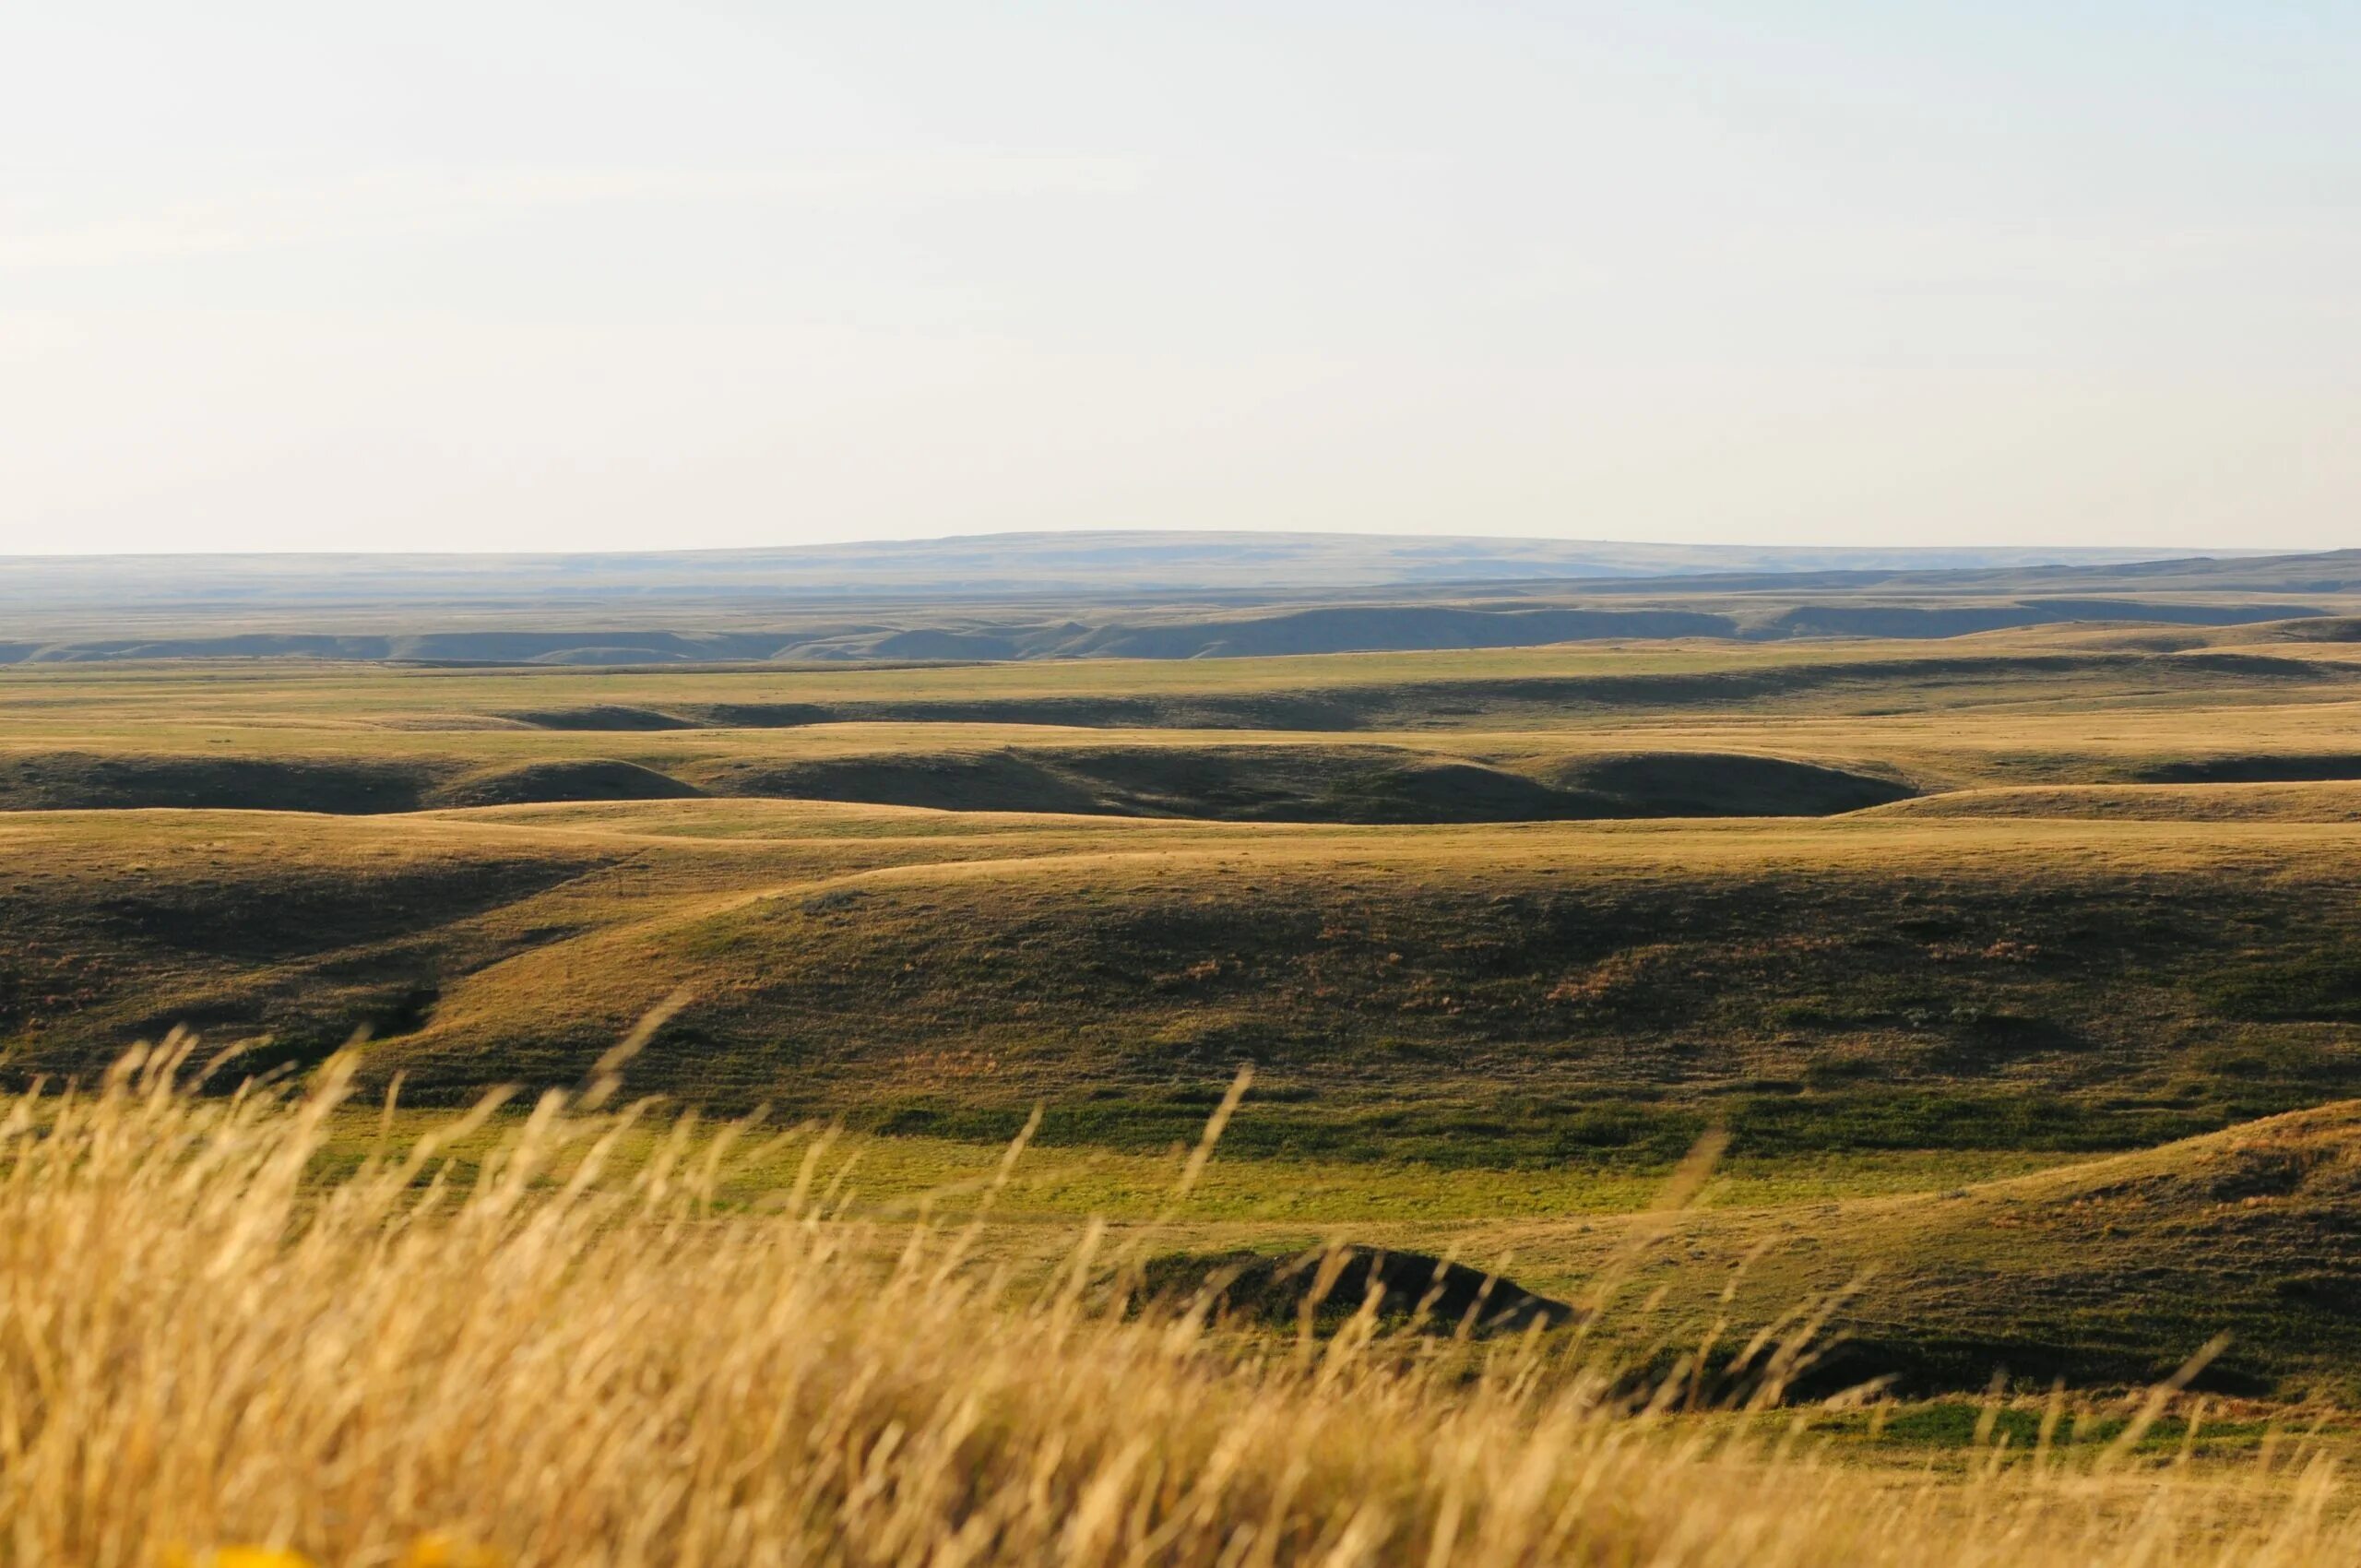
2111, 1271
1502, 929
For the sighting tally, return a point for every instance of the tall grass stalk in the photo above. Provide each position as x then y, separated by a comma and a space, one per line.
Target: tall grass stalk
539, 1356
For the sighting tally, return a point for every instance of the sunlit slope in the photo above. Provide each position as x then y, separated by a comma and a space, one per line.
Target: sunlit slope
2339, 801
1503, 994
2114, 1270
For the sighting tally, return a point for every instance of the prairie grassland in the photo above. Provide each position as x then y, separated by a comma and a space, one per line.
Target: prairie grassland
1504, 934
1498, 994
535, 1361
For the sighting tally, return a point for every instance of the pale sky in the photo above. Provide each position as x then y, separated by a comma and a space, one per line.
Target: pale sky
584, 275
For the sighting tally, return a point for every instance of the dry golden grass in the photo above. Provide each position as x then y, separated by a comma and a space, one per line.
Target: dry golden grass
206, 1345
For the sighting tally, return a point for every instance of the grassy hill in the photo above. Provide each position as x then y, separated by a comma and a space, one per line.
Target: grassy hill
2107, 1271
1504, 994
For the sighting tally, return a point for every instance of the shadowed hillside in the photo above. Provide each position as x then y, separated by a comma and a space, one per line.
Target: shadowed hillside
1334, 783
1239, 783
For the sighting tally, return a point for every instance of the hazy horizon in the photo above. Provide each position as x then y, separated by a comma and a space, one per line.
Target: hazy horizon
917, 544
534, 278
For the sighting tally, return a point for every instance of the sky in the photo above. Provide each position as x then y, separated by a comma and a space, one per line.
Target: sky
516, 276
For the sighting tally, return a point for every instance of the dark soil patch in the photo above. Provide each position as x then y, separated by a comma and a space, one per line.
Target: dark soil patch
1255, 1287
1726, 784
605, 716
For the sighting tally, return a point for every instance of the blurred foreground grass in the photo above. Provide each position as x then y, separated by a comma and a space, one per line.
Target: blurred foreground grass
551, 1355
